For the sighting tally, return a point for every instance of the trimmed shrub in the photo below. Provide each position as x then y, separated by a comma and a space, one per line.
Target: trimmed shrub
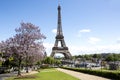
106, 74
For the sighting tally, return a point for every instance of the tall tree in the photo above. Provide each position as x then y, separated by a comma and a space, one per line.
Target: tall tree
29, 42
26, 45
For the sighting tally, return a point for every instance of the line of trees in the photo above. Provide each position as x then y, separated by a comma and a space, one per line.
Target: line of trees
23, 49
52, 61
105, 56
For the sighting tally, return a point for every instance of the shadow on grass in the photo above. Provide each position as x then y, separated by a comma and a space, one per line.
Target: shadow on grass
26, 77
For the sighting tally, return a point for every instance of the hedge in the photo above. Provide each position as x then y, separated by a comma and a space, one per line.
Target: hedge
106, 74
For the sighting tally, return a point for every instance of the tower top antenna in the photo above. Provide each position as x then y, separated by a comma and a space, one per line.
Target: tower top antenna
58, 2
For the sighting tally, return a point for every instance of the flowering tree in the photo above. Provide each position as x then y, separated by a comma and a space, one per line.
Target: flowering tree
29, 42
5, 51
26, 45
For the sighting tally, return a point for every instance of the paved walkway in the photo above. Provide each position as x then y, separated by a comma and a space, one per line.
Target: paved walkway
7, 75
82, 76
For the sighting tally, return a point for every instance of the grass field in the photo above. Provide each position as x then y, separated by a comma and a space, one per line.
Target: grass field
46, 74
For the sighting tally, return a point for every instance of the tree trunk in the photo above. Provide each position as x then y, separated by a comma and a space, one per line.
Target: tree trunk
19, 67
27, 63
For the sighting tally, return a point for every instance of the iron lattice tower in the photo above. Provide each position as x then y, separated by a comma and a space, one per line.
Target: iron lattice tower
63, 49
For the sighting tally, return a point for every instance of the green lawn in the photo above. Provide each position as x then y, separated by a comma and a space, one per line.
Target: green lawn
46, 74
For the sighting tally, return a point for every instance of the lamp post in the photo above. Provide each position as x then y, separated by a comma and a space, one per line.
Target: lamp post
101, 62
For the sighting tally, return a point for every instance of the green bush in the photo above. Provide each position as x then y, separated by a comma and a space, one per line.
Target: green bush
107, 74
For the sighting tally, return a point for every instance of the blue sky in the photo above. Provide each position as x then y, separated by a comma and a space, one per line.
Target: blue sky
89, 26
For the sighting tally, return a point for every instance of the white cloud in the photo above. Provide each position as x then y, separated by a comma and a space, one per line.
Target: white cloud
118, 40
84, 31
93, 40
79, 50
54, 31
48, 47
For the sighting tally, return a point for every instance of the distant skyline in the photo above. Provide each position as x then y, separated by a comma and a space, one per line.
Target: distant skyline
89, 26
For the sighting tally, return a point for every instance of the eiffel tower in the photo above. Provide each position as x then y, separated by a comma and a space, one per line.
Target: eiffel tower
63, 49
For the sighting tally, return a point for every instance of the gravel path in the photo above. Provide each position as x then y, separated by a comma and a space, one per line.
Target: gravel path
32, 72
7, 75
82, 76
